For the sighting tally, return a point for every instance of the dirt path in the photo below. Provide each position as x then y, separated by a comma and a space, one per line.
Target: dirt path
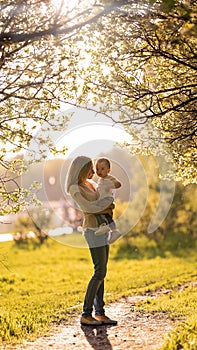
135, 330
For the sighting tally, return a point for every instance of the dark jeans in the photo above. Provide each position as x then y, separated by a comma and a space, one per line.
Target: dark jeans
106, 218
95, 289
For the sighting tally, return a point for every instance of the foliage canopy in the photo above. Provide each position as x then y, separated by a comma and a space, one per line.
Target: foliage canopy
142, 63
138, 58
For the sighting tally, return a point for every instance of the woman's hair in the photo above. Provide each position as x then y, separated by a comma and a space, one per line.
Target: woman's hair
78, 171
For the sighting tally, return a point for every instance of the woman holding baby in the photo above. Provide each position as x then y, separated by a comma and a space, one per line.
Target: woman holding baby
84, 192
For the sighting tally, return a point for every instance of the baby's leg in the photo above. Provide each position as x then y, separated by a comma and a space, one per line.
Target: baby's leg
103, 225
114, 233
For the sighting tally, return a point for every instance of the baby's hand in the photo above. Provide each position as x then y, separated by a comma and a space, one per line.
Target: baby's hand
114, 182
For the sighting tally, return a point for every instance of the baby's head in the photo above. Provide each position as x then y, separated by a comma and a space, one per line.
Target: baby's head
103, 167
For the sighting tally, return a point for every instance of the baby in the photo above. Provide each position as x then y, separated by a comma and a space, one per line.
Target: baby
106, 185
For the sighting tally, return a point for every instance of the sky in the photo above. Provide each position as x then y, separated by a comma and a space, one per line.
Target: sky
88, 134
91, 139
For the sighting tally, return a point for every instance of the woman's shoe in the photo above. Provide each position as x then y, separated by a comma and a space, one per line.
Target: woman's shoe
105, 320
90, 321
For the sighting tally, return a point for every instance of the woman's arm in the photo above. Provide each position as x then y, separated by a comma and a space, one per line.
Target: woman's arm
108, 210
91, 207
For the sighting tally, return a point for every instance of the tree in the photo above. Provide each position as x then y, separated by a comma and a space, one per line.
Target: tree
43, 62
38, 50
143, 65
180, 223
35, 221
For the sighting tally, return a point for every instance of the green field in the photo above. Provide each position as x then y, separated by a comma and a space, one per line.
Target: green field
42, 285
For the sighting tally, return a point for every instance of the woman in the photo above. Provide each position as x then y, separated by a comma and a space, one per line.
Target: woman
83, 191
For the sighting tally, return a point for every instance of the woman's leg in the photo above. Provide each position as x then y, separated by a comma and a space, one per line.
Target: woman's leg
99, 298
95, 289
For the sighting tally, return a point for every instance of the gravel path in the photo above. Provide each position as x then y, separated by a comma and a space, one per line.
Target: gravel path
135, 330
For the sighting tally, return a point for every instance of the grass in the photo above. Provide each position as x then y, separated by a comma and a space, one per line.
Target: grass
179, 304
47, 284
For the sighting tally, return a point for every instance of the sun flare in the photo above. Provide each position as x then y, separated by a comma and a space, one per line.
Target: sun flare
65, 4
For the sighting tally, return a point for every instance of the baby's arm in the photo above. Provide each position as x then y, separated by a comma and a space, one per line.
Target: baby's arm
109, 182
115, 182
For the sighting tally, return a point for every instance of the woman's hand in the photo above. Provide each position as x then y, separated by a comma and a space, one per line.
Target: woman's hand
93, 207
109, 211
112, 206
